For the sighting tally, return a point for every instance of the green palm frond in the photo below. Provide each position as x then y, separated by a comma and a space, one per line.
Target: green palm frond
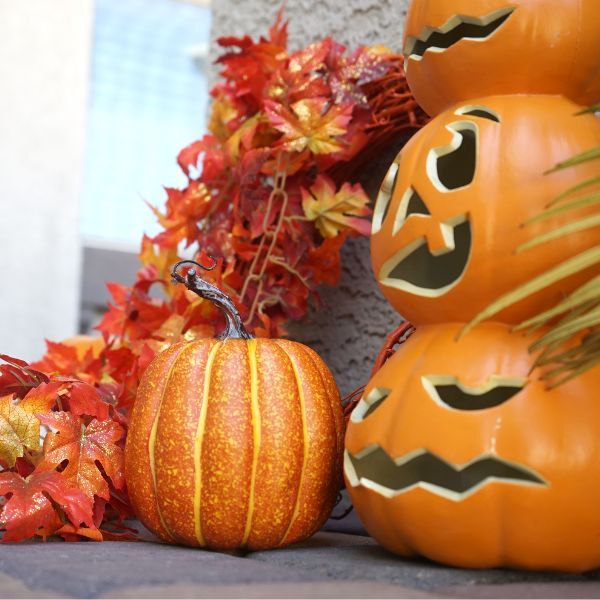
571, 345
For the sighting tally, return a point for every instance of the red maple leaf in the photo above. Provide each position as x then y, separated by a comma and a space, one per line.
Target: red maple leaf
324, 261
84, 448
81, 398
17, 377
29, 509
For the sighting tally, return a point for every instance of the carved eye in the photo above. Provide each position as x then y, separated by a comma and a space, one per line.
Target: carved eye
382, 204
453, 166
483, 112
411, 204
369, 404
448, 391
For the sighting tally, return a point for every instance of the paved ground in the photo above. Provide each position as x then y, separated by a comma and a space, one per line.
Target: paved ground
331, 565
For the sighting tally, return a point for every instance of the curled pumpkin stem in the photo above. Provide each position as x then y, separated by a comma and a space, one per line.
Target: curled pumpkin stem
234, 327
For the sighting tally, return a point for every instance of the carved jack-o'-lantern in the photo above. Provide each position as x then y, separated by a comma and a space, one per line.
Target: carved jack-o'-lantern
450, 211
469, 48
458, 453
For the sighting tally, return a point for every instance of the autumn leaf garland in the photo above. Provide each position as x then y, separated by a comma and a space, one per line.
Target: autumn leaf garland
66, 485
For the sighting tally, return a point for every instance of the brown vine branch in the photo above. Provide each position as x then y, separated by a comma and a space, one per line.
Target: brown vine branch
277, 191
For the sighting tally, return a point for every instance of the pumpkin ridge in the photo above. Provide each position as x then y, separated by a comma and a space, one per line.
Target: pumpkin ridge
256, 431
198, 445
152, 442
337, 425
296, 511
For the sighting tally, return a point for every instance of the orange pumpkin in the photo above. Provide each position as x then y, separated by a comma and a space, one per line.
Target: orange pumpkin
451, 209
234, 443
460, 49
458, 453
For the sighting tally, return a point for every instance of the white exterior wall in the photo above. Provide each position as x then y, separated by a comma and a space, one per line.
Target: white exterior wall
44, 73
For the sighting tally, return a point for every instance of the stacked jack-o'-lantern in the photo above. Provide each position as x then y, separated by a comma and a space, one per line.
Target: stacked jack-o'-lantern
457, 451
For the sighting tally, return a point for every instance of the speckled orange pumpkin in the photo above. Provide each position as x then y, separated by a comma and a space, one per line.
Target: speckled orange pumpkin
461, 49
235, 443
458, 452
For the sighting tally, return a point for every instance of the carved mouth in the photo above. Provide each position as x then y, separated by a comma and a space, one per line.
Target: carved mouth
373, 468
459, 27
417, 270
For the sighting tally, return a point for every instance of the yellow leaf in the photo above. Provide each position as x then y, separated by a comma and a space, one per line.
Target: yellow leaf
243, 133
336, 212
19, 428
160, 258
223, 111
311, 124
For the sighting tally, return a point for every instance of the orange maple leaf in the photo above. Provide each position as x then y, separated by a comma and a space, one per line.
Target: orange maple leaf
334, 212
311, 123
83, 447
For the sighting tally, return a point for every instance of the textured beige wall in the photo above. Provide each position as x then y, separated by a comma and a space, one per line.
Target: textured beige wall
349, 329
44, 73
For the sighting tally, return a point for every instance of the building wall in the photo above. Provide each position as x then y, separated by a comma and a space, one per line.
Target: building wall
349, 328
44, 74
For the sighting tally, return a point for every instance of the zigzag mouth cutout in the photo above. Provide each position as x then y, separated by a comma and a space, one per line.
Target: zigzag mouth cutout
457, 28
373, 468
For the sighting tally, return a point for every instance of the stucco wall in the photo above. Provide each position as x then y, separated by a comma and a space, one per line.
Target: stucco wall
349, 329
44, 74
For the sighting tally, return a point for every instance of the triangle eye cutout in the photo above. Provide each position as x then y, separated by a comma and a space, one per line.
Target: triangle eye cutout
369, 404
449, 392
416, 205
411, 204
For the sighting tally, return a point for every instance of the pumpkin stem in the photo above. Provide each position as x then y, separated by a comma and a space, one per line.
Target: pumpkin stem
234, 325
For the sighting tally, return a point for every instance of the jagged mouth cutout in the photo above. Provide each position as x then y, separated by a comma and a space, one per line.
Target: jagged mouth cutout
415, 268
374, 469
456, 29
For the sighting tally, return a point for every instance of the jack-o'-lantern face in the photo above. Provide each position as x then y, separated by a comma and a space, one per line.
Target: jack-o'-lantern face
460, 49
459, 453
450, 210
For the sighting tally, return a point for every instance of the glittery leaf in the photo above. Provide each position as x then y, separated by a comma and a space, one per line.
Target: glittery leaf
19, 427
336, 212
83, 447
29, 511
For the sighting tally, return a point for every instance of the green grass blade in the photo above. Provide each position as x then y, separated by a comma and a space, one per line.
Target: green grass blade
564, 332
583, 157
590, 109
576, 188
589, 292
574, 226
565, 269
563, 208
